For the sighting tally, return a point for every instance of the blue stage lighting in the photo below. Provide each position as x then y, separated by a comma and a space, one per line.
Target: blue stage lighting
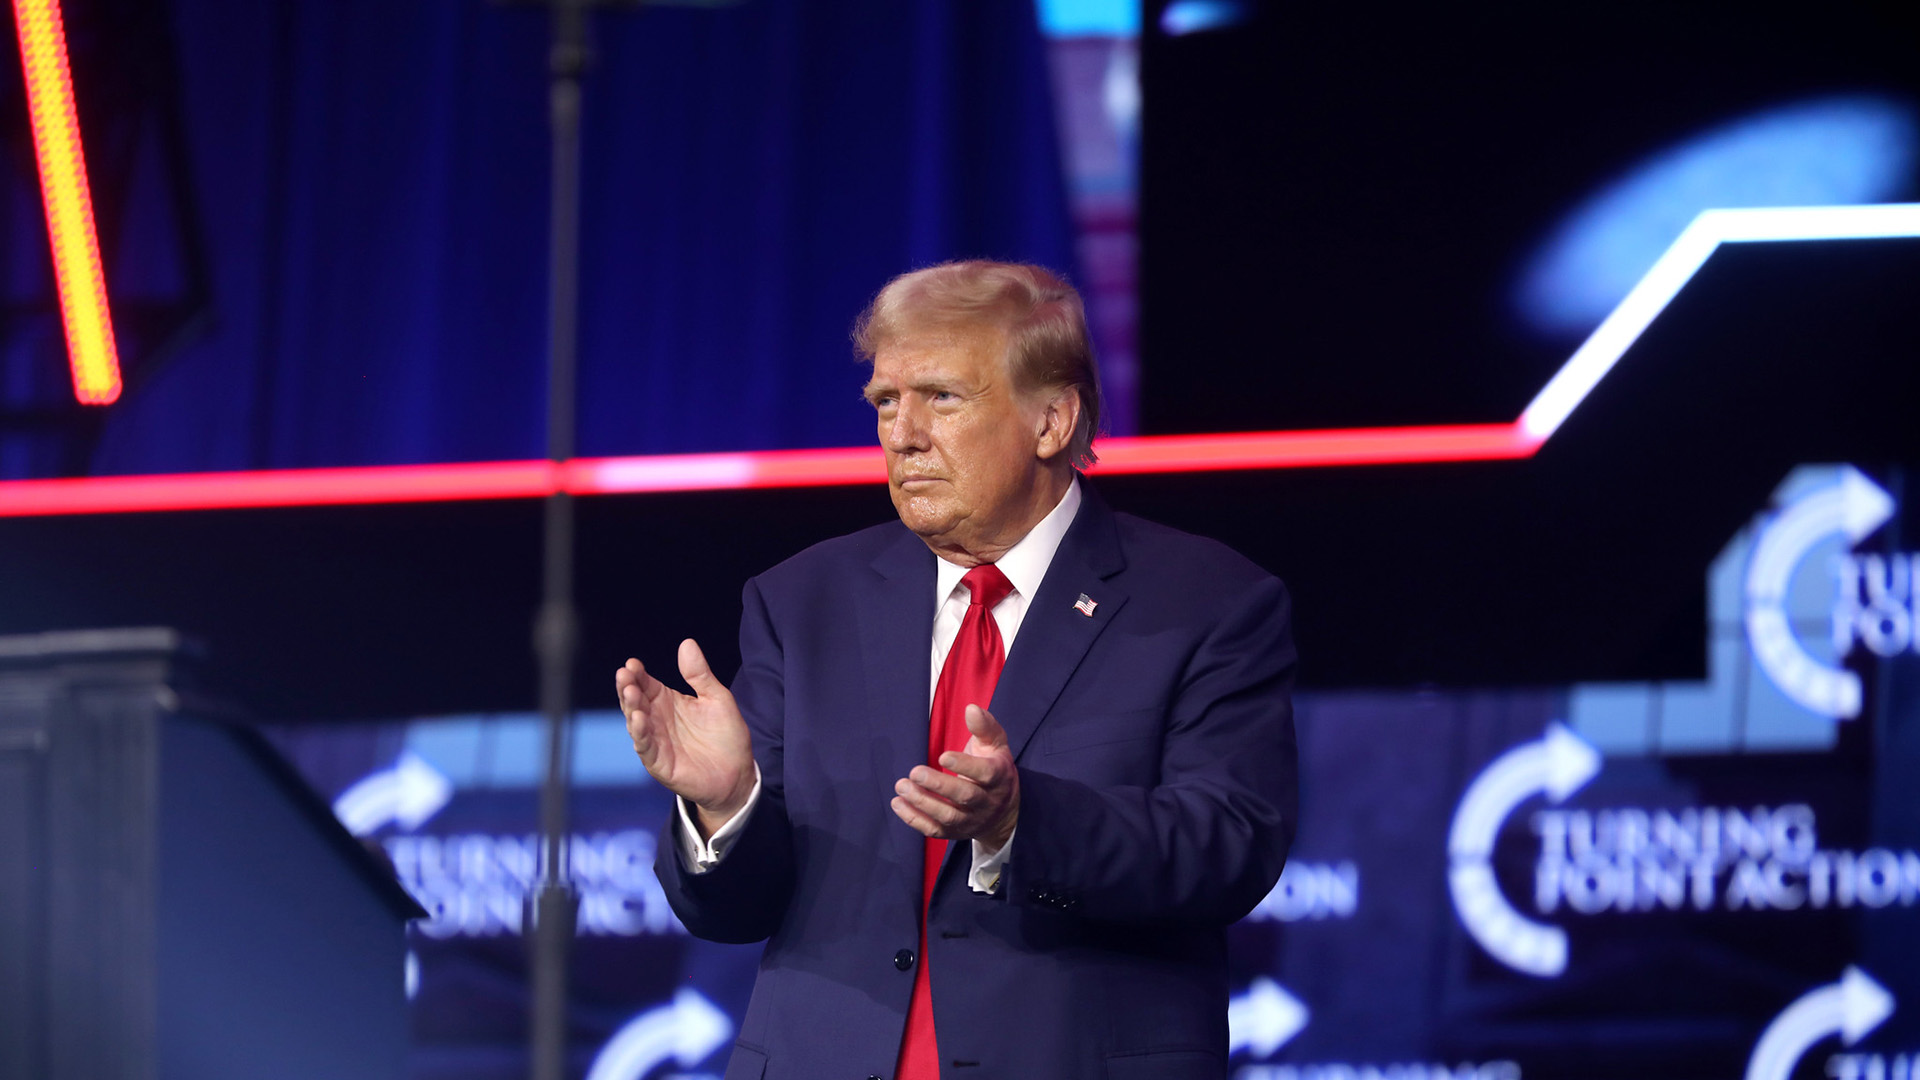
1194, 16
1090, 18
1828, 151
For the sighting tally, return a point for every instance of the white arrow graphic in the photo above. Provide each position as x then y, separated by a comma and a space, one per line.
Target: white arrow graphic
1854, 507
1557, 765
687, 1029
1264, 1018
407, 794
1849, 1008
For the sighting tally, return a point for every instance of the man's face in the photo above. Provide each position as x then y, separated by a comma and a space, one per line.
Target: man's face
962, 442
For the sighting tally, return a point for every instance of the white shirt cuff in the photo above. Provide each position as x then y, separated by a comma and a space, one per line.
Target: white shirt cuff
700, 855
985, 876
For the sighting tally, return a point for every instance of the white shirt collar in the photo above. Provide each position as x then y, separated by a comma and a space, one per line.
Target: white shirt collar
1026, 562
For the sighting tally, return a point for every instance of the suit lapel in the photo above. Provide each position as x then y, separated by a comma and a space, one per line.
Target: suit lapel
895, 611
1055, 635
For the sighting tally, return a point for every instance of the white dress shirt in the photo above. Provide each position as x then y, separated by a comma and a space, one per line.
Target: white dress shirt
1025, 565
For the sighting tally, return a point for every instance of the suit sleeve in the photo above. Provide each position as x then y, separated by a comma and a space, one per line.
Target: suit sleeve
1206, 843
745, 896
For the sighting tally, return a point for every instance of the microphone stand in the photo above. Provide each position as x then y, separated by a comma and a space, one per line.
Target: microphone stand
556, 628
554, 904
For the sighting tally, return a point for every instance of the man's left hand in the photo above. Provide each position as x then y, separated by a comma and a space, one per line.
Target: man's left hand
978, 798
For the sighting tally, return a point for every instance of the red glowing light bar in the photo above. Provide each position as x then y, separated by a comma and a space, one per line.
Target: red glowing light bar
69, 205
720, 472
1304, 449
288, 487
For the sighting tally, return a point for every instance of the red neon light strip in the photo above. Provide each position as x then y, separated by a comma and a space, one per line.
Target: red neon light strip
290, 487
719, 472
69, 204
1305, 449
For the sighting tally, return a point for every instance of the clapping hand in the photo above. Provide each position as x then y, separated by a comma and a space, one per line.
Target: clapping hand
977, 798
697, 746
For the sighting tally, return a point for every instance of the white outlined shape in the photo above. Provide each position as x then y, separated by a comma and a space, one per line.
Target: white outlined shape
1849, 1008
1832, 149
1264, 1019
407, 795
686, 1030
1670, 273
1558, 764
1854, 506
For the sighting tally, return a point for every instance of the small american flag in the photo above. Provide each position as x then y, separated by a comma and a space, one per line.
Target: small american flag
1085, 605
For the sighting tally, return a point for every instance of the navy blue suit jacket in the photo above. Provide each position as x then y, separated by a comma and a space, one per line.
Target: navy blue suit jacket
1157, 802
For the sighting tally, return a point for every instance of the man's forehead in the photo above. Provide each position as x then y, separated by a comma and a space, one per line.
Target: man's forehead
940, 353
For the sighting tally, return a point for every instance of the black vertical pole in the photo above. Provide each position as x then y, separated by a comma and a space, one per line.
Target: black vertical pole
555, 630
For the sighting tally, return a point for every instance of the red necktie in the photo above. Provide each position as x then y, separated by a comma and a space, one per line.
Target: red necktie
967, 678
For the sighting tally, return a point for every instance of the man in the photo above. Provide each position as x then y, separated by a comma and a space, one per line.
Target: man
1110, 750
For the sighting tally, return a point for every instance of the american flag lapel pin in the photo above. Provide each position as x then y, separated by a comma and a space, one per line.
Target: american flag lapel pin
1085, 605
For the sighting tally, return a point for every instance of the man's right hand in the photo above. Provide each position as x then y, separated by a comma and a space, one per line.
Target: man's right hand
698, 746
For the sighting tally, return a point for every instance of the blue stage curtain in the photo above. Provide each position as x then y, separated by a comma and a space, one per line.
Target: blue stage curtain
371, 179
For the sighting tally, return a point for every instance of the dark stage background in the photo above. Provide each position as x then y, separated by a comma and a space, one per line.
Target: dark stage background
1562, 816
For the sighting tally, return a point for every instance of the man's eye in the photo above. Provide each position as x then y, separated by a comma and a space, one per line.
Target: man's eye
943, 395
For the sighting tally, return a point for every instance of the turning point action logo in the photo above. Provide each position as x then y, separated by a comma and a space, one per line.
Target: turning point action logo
476, 884
1875, 605
1556, 766
1632, 860
1629, 861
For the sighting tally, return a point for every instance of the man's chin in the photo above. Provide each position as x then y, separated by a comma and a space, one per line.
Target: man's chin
928, 518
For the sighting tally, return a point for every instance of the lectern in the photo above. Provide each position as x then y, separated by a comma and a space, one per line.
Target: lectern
174, 901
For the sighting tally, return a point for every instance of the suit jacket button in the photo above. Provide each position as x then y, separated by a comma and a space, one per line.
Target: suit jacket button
903, 959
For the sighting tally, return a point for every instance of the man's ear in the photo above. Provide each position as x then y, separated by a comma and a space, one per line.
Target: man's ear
1059, 417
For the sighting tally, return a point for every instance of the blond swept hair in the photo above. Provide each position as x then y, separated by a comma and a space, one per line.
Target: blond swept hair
1040, 315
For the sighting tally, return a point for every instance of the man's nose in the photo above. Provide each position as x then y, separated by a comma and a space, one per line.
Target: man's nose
908, 431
